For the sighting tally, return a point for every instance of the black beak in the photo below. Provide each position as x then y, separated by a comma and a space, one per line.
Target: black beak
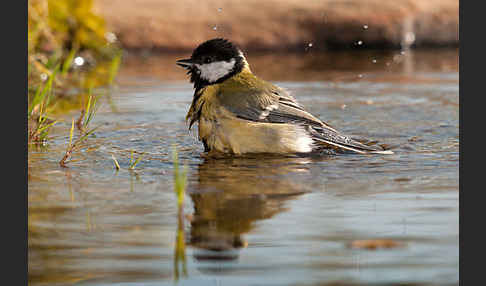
185, 63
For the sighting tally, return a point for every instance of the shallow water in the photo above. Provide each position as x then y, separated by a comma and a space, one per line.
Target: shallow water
258, 220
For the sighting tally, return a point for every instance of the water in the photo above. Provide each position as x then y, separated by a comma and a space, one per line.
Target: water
258, 221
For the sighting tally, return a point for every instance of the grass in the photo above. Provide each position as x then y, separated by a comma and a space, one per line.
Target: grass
180, 178
180, 183
68, 62
38, 111
117, 166
180, 253
132, 162
43, 101
87, 114
90, 110
58, 32
114, 67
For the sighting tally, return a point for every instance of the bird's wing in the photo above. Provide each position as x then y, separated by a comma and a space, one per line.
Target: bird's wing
275, 105
272, 105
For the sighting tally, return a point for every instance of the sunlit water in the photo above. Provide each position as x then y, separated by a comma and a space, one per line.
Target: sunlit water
258, 221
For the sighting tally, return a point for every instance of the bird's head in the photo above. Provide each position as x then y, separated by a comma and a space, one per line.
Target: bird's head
213, 61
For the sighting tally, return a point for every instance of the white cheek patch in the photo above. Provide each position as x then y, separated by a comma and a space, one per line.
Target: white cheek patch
216, 70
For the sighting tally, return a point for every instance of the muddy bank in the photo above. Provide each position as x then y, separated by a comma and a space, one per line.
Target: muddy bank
282, 24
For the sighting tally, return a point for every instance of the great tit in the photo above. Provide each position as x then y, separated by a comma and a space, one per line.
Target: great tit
239, 113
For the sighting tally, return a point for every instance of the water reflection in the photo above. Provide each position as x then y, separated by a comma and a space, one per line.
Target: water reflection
92, 225
232, 195
180, 263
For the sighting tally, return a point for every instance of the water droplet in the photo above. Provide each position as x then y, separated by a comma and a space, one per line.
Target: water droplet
409, 38
374, 61
360, 43
365, 27
43, 76
110, 37
79, 61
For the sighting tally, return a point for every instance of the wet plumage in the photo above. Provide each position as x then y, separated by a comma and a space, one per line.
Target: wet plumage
240, 113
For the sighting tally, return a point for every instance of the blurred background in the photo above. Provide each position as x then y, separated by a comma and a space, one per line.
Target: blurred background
107, 104
162, 25
147, 27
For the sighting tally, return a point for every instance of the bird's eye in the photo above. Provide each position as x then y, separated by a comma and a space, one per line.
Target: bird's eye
207, 60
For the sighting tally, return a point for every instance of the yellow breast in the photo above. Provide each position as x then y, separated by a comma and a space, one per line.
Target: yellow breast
223, 132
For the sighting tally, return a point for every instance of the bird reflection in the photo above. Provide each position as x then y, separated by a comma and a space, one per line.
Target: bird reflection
232, 194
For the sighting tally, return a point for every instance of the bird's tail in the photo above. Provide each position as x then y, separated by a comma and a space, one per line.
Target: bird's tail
339, 142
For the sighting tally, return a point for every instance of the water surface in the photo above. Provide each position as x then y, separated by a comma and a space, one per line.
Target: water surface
258, 220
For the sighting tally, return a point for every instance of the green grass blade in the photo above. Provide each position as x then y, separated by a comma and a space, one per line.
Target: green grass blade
132, 166
71, 134
47, 91
42, 100
117, 166
67, 62
46, 126
87, 109
180, 180
49, 84
115, 65
91, 112
41, 119
44, 130
90, 96
35, 100
87, 134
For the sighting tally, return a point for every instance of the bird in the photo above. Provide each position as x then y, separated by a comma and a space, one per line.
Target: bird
238, 113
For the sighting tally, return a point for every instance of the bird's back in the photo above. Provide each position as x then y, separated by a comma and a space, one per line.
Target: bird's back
245, 114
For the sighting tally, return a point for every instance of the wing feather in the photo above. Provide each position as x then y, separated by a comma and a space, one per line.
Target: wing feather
275, 105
